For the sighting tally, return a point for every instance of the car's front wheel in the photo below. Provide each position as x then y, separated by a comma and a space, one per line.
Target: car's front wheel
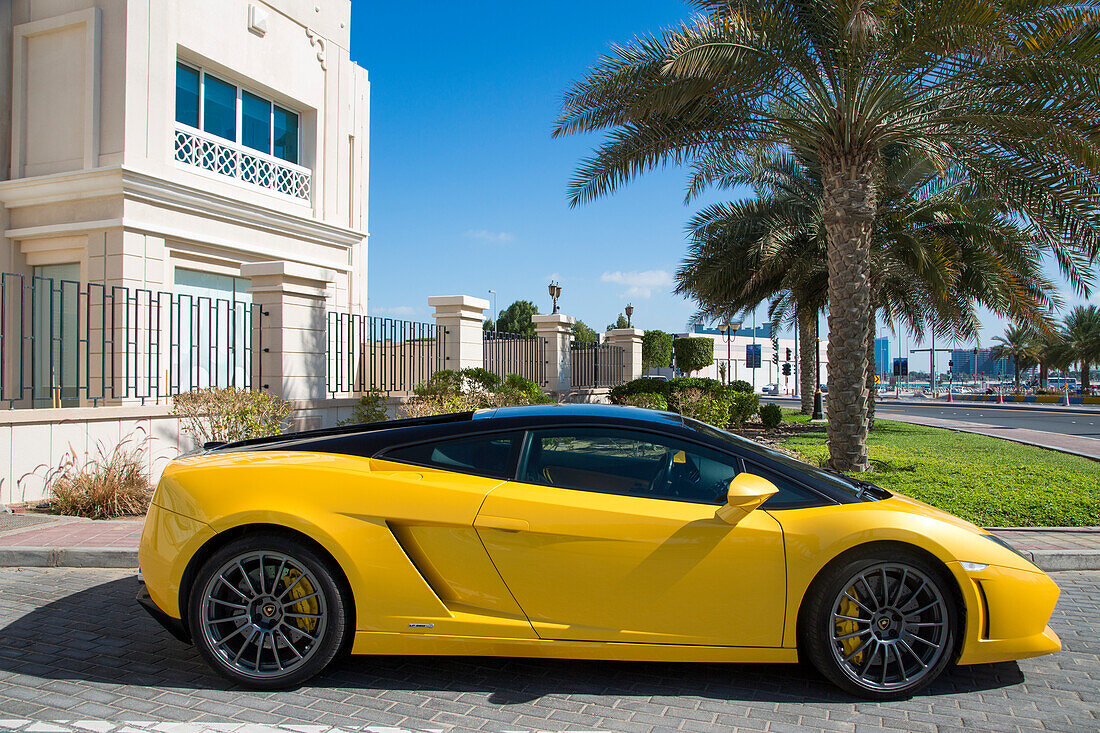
266, 611
882, 627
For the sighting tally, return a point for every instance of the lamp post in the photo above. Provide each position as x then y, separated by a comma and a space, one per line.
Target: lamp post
729, 329
555, 293
819, 411
494, 294
629, 310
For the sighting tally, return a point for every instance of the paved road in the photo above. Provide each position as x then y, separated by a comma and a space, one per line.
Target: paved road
1043, 419
74, 647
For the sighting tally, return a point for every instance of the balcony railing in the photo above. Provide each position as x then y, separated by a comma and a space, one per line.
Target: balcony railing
251, 166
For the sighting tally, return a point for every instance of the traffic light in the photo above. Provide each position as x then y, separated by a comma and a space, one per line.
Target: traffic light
787, 368
788, 354
897, 367
905, 367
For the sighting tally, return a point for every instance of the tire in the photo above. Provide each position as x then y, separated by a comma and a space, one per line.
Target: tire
881, 645
266, 611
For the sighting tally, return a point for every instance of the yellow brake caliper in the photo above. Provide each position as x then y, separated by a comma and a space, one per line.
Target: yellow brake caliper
844, 627
301, 589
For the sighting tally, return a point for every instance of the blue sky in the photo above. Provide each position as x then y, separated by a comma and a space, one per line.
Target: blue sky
468, 189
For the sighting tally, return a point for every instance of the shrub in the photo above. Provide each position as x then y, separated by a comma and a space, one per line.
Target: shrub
115, 484
656, 349
520, 386
740, 385
648, 400
230, 414
713, 409
771, 415
743, 405
645, 385
706, 384
371, 408
693, 354
451, 391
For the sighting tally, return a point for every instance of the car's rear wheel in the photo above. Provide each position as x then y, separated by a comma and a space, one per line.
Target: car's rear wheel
882, 627
266, 611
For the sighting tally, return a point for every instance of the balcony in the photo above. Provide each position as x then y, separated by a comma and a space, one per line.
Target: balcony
196, 148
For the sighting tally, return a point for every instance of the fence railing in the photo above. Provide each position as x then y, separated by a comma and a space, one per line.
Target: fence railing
194, 147
386, 354
514, 353
596, 365
67, 344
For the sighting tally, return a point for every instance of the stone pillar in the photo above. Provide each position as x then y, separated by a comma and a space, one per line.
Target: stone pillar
293, 296
461, 316
630, 341
557, 331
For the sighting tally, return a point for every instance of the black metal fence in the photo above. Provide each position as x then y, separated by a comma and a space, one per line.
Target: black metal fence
514, 353
596, 365
66, 344
371, 352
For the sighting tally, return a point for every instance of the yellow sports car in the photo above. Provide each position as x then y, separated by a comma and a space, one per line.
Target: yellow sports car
580, 531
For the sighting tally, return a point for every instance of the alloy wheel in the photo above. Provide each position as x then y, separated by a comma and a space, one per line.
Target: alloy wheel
263, 614
890, 627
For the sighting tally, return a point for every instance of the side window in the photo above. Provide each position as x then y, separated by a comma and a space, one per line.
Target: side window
627, 462
485, 455
792, 494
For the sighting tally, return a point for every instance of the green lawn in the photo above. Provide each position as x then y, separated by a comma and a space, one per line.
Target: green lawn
991, 482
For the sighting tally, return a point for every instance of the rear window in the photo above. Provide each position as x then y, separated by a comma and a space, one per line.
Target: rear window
485, 455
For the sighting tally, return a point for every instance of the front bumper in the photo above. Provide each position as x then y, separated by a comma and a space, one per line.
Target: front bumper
174, 626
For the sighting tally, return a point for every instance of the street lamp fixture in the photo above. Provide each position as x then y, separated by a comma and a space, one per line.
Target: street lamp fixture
555, 293
729, 330
629, 310
494, 294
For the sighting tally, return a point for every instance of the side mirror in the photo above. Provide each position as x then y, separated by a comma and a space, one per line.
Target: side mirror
746, 492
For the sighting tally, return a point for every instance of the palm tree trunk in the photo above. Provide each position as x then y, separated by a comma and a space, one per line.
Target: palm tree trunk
849, 205
872, 388
807, 345
1043, 374
1084, 377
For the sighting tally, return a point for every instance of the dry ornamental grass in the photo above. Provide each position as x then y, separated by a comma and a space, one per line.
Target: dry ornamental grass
115, 484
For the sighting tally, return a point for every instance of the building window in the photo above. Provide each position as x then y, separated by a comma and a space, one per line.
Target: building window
213, 317
203, 101
223, 128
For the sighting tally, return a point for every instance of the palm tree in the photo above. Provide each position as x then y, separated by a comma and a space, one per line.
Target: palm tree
1079, 340
1017, 344
936, 254
1000, 96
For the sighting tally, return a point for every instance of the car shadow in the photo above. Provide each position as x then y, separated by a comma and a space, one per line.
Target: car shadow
101, 635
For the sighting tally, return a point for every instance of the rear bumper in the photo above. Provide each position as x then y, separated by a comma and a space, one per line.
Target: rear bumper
174, 626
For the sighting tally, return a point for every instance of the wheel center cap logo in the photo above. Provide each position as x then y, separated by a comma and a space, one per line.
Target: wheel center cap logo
884, 623
269, 610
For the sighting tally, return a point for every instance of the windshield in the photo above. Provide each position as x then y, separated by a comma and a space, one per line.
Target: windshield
837, 480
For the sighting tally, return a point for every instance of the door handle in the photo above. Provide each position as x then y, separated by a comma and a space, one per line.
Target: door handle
506, 524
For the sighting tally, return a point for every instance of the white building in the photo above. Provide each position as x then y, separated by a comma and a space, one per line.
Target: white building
172, 144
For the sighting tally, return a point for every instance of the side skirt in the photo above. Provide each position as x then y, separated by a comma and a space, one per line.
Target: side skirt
379, 642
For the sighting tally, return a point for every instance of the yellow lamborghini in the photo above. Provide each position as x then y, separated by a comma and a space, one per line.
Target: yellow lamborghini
581, 531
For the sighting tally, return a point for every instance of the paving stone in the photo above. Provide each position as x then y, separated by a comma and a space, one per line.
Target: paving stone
50, 618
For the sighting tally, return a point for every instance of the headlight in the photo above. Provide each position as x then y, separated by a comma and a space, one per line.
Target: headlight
1004, 543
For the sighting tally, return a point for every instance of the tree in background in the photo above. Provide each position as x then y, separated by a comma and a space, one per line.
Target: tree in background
620, 322
1001, 97
516, 318
656, 350
583, 333
1018, 344
693, 354
1079, 340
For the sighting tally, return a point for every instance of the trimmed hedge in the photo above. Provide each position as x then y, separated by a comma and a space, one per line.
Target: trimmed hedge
693, 354
648, 400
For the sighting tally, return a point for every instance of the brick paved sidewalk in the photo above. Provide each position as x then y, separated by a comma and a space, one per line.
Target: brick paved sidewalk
1051, 548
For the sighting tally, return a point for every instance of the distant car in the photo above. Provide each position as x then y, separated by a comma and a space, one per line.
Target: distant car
770, 389
571, 531
655, 376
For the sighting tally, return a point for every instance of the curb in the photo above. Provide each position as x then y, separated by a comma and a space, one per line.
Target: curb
68, 557
111, 557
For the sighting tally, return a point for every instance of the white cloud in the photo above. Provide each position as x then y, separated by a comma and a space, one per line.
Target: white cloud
397, 310
485, 235
639, 284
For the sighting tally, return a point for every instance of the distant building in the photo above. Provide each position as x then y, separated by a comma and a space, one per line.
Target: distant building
883, 364
971, 362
